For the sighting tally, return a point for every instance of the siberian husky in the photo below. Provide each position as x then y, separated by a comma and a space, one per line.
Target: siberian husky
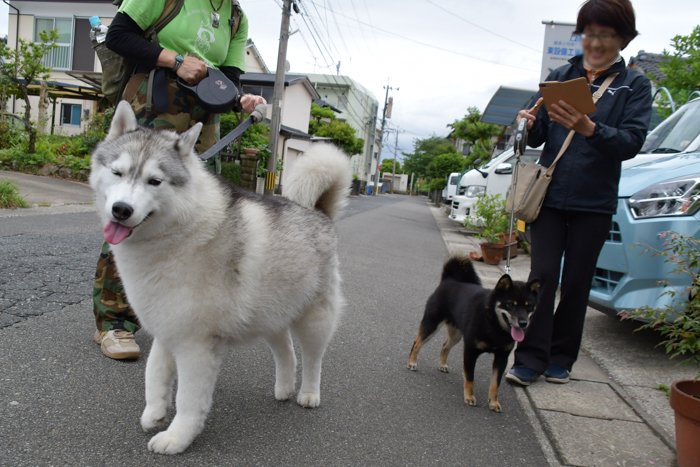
206, 265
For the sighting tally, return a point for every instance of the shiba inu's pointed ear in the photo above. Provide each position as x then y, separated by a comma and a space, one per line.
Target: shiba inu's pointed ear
124, 121
534, 286
504, 283
188, 139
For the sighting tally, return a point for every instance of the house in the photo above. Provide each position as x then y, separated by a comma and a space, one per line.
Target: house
76, 74
358, 107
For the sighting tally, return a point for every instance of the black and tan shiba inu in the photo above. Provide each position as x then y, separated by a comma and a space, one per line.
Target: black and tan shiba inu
488, 321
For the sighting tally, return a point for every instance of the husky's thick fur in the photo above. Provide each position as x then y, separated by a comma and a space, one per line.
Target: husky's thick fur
488, 321
206, 265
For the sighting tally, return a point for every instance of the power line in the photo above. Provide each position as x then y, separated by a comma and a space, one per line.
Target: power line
358, 17
370, 22
481, 27
433, 46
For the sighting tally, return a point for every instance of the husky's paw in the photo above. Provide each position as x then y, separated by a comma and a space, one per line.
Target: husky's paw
152, 418
470, 400
310, 400
443, 368
412, 366
166, 442
495, 406
284, 391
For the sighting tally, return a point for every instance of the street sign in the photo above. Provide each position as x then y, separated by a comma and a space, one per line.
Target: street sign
560, 44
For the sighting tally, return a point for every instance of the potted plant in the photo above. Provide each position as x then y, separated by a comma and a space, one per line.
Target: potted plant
679, 323
355, 188
490, 213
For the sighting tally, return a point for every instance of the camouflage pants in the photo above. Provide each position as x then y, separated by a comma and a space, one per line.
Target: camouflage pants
111, 308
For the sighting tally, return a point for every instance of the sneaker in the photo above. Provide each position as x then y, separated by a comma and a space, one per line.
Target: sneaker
522, 376
117, 344
556, 374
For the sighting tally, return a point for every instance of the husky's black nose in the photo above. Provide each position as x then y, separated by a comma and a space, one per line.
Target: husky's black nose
522, 323
121, 211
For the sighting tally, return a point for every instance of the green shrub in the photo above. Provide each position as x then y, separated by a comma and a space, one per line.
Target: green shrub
9, 196
491, 218
678, 322
437, 184
231, 172
256, 136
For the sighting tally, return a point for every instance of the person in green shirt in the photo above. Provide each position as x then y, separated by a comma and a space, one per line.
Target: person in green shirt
199, 37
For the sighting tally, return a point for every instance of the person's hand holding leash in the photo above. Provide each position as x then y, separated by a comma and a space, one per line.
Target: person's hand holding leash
250, 101
572, 119
530, 114
192, 70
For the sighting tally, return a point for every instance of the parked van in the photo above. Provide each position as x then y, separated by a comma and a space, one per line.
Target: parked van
451, 188
492, 178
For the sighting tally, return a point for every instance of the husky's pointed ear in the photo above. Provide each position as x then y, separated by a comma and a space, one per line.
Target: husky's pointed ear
188, 139
504, 283
534, 286
124, 121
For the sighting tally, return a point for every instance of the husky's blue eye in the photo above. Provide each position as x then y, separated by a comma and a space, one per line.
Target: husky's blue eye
154, 181
118, 174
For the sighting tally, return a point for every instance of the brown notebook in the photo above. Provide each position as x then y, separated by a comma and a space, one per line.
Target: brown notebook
574, 92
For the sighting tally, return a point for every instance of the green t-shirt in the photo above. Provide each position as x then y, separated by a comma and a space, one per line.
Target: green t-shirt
191, 32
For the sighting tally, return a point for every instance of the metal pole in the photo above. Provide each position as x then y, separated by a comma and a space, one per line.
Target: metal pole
381, 143
393, 172
277, 95
410, 190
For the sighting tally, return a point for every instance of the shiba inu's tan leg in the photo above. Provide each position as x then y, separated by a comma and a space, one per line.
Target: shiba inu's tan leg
454, 335
470, 356
500, 361
424, 335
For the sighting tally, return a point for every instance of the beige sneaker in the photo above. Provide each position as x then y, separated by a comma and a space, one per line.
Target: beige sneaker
117, 344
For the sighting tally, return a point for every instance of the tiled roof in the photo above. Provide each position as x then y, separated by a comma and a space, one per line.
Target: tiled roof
648, 63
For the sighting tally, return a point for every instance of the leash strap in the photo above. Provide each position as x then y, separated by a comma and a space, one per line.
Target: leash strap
256, 117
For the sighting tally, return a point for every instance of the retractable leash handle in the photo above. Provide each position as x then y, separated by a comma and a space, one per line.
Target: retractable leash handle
519, 148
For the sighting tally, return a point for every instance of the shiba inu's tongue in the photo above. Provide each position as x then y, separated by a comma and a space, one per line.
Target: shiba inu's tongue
115, 233
517, 334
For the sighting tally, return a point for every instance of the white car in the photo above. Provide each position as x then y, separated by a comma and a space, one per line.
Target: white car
493, 178
450, 190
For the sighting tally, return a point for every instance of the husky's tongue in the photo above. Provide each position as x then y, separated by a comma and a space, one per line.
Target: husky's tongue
115, 233
516, 333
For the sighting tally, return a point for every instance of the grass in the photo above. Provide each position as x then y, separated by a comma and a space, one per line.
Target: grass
44, 205
664, 388
9, 196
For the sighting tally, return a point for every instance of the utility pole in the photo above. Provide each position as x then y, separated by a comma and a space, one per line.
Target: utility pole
381, 139
277, 96
393, 173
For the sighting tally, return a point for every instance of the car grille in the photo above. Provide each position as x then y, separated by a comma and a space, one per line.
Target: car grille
455, 204
614, 234
605, 280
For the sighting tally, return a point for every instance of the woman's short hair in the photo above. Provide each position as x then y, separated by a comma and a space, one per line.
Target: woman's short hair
617, 14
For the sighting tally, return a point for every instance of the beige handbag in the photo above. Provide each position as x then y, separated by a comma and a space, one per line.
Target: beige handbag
530, 181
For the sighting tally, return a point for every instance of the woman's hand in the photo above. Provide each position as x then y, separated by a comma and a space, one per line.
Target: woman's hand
192, 70
250, 101
530, 114
572, 119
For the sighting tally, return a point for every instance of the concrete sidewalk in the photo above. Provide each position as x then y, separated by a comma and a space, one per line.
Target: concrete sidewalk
48, 195
592, 420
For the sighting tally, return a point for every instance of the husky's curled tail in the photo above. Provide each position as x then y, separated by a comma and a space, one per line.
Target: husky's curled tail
461, 269
320, 179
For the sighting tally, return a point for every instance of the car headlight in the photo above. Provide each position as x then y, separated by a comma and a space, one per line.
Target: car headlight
676, 197
475, 190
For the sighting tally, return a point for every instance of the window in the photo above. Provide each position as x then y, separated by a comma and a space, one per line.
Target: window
59, 58
70, 114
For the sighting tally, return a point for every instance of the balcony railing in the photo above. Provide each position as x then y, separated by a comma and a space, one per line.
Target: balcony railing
59, 58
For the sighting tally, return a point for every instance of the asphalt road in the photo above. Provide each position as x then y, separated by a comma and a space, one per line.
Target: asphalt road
63, 403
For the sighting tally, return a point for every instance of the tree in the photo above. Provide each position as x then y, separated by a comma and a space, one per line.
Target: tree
478, 135
22, 67
442, 166
341, 133
424, 151
388, 166
682, 69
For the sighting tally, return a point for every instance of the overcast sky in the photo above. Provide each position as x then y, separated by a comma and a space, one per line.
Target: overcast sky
444, 55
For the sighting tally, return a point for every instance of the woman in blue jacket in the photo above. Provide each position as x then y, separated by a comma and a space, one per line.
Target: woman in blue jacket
576, 215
